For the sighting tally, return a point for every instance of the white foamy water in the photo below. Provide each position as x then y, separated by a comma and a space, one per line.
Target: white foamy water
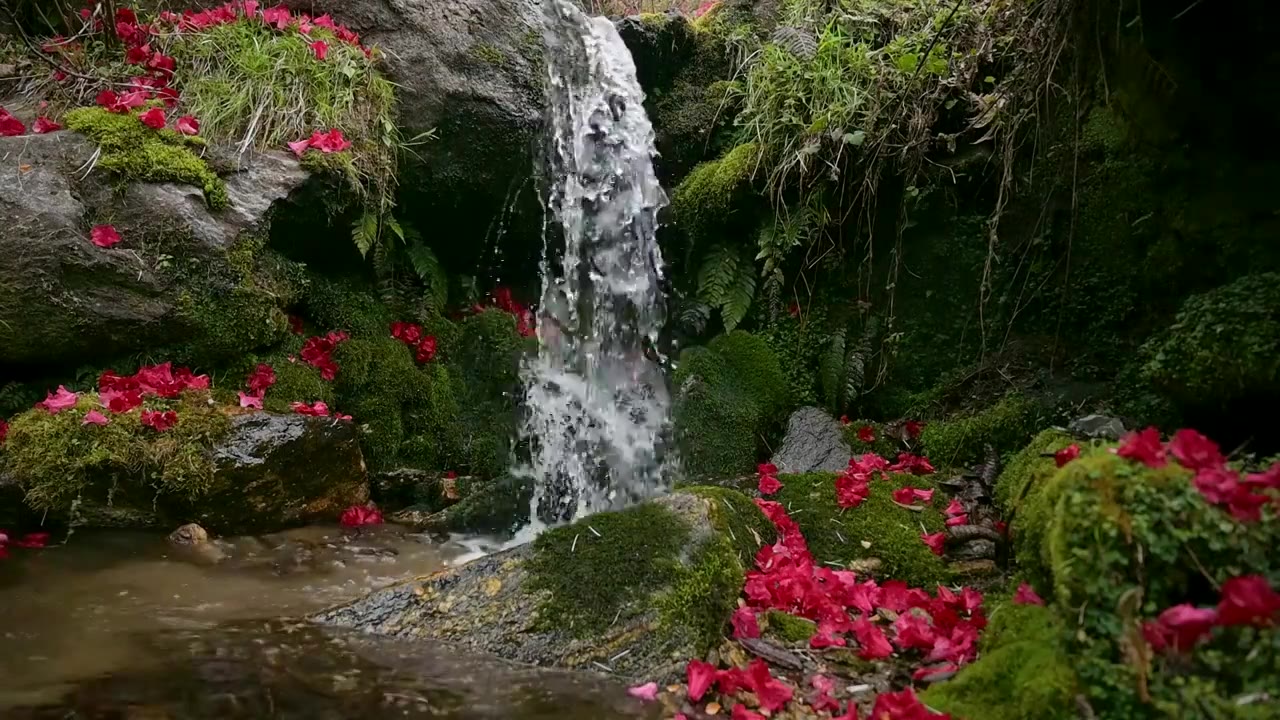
597, 408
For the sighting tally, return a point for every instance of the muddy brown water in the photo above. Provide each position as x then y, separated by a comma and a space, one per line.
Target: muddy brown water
123, 625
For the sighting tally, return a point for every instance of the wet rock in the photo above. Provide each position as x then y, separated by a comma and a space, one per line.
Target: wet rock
813, 443
63, 299
974, 550
635, 593
277, 471
189, 534
471, 72
495, 507
1100, 427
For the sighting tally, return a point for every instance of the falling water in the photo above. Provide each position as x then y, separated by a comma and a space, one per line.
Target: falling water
598, 407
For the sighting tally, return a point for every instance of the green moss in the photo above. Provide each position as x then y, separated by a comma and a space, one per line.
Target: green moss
590, 578
1029, 468
342, 304
56, 458
732, 393
737, 516
1007, 425
135, 152
488, 53
789, 628
703, 594
1022, 673
1222, 346
229, 314
296, 382
715, 191
891, 532
883, 445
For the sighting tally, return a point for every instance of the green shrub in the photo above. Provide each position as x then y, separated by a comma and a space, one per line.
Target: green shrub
1006, 426
1224, 345
731, 393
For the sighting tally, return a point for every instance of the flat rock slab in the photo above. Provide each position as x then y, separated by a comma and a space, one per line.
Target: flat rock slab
813, 443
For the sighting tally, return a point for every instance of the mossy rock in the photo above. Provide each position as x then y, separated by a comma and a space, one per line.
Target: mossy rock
715, 193
639, 590
732, 393
135, 152
1104, 526
498, 506
1030, 467
1224, 345
962, 441
1023, 671
891, 532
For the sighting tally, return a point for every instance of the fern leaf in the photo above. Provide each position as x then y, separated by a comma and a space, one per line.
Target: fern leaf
364, 232
832, 371
738, 300
717, 276
428, 267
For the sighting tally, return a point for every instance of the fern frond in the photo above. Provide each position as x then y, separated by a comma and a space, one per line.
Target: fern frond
738, 301
430, 271
717, 276
832, 370
364, 232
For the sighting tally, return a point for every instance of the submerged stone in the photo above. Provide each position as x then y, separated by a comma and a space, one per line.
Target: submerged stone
634, 593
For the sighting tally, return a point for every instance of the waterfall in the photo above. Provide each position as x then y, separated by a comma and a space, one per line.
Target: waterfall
598, 406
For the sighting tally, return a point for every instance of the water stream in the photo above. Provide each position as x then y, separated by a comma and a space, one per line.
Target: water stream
125, 625
598, 408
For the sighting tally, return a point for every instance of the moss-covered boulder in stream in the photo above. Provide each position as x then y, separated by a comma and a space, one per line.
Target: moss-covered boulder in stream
638, 591
230, 470
731, 393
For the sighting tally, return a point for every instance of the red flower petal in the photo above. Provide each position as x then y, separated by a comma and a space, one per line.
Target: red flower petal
1145, 447
104, 236
745, 624
153, 118
187, 125
45, 125
93, 417
320, 48
700, 675
1195, 451
1066, 455
867, 434
936, 542
769, 485
1026, 595
10, 126
1248, 600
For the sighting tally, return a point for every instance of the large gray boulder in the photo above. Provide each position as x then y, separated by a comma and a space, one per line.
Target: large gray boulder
272, 472
64, 302
813, 443
471, 72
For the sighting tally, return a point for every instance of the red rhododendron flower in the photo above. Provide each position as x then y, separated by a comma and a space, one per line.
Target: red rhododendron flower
769, 485
320, 48
159, 421
162, 64
901, 706
318, 351
187, 125
277, 17
851, 490
867, 434
957, 520
912, 429
153, 118
426, 351
1248, 600
120, 401
955, 508
250, 401
936, 542
4, 430
1066, 455
1195, 451
910, 495
772, 694
58, 401
93, 417
169, 96
300, 146
701, 675
33, 541
850, 714
359, 515
1026, 595
745, 624
262, 377
45, 125
1183, 625
913, 632
10, 126
1267, 479
1217, 485
319, 409
138, 55
1145, 447
871, 640
767, 469
104, 236
913, 464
